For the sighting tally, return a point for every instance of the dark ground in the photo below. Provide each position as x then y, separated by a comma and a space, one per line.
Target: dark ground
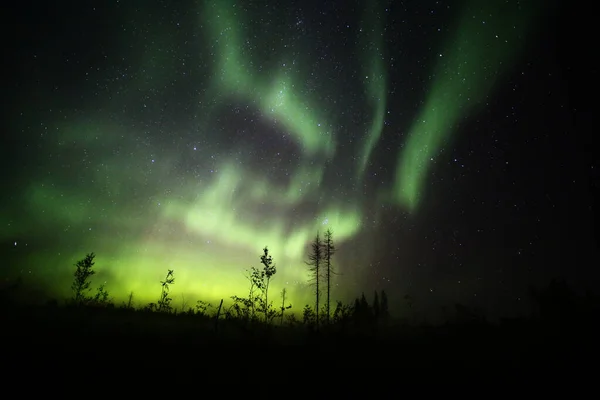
123, 335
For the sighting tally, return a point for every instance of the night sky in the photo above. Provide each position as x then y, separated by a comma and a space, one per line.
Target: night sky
446, 144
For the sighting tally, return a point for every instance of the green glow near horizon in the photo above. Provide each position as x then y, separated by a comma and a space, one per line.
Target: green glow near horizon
489, 37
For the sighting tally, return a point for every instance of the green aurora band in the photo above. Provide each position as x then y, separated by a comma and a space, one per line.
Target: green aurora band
275, 96
489, 37
210, 231
373, 44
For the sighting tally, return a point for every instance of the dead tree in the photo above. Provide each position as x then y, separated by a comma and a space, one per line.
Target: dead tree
329, 250
315, 261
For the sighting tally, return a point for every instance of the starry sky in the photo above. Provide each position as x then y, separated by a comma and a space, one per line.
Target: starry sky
443, 142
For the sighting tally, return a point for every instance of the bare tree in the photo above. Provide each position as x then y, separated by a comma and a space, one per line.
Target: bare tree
130, 301
283, 306
315, 261
329, 250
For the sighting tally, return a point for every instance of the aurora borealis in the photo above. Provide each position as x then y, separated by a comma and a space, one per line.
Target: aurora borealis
488, 37
190, 135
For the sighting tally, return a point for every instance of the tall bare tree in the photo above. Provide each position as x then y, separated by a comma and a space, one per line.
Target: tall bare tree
283, 305
329, 250
315, 261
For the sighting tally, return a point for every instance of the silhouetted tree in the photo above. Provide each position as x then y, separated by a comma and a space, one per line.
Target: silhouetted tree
202, 307
315, 260
342, 314
164, 303
329, 250
364, 304
283, 306
245, 308
81, 284
376, 306
258, 295
308, 316
291, 320
384, 308
267, 273
363, 313
129, 301
101, 298
322, 313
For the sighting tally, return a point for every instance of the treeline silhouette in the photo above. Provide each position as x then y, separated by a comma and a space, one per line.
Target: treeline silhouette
564, 324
